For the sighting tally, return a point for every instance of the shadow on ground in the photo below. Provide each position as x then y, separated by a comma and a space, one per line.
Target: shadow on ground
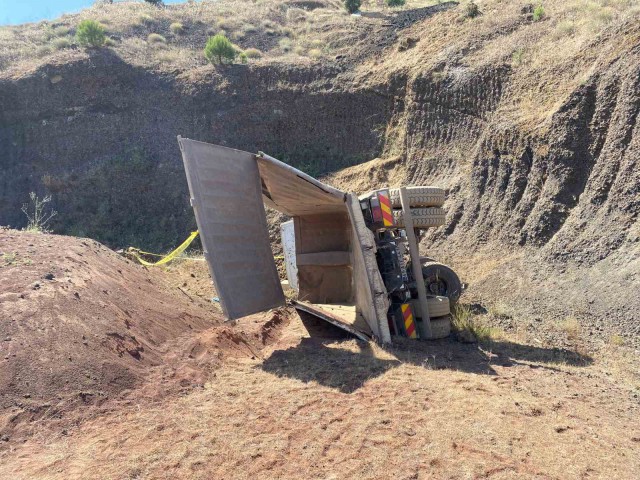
320, 358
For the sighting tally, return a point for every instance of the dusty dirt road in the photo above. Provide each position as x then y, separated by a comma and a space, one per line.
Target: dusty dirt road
280, 396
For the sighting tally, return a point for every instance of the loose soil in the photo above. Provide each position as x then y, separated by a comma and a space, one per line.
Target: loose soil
277, 395
82, 325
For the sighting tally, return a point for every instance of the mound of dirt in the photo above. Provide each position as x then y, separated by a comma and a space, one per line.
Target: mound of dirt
81, 324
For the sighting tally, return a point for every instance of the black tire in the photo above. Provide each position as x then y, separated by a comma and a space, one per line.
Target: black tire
440, 327
441, 280
421, 217
418, 197
438, 306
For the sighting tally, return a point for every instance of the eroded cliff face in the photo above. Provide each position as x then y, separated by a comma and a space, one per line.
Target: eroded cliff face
539, 156
100, 136
575, 184
541, 170
543, 213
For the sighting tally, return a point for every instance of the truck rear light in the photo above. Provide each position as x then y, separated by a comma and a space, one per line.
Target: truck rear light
376, 211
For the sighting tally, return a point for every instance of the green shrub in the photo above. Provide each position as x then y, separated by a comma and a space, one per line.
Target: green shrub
315, 53
395, 3
90, 34
285, 45
60, 43
176, 28
43, 51
156, 38
538, 13
352, 6
253, 53
243, 58
472, 10
219, 49
249, 28
109, 42
145, 19
517, 56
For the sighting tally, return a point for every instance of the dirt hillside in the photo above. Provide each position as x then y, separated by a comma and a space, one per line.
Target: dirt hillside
533, 131
283, 396
81, 326
529, 120
456, 98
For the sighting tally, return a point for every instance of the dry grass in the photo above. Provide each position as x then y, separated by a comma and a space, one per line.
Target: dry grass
552, 44
465, 321
616, 340
500, 309
156, 38
253, 53
565, 30
285, 45
62, 42
176, 28
570, 326
190, 24
8, 258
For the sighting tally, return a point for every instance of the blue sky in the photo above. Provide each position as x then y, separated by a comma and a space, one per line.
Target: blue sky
13, 12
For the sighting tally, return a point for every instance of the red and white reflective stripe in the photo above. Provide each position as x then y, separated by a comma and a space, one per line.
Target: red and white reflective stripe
385, 206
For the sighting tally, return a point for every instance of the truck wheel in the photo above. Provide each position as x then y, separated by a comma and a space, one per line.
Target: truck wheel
440, 327
438, 306
422, 217
441, 280
418, 197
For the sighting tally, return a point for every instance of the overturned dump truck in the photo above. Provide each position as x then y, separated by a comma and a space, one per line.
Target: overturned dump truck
353, 260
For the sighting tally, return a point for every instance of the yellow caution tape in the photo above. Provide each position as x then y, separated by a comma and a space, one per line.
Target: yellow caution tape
166, 258
136, 252
133, 250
